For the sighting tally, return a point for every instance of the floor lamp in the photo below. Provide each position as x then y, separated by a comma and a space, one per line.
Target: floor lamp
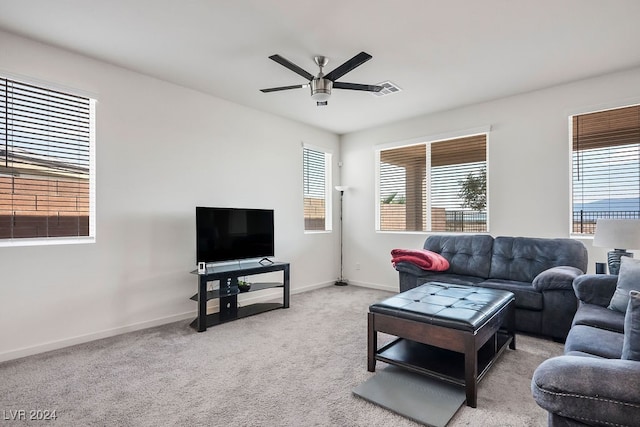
341, 281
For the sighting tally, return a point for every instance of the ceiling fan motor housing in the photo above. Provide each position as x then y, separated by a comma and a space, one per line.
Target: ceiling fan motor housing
320, 89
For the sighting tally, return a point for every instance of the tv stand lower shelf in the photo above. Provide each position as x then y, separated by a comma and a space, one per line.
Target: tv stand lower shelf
228, 292
214, 319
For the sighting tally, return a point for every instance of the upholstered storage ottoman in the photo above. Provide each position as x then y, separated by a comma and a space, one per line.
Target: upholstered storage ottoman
451, 332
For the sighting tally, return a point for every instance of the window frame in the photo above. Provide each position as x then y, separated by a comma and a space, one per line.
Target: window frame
428, 140
92, 104
328, 187
597, 109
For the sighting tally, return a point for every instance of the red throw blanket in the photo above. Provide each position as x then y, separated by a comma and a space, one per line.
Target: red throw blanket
426, 260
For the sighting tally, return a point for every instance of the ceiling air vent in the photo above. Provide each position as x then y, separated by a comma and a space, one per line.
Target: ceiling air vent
387, 89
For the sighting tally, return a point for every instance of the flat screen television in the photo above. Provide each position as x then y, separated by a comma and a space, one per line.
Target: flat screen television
225, 234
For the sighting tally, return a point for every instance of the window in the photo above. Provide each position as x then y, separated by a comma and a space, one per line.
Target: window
402, 186
45, 163
317, 186
435, 186
606, 167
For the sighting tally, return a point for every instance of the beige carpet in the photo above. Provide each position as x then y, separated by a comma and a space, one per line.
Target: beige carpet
293, 367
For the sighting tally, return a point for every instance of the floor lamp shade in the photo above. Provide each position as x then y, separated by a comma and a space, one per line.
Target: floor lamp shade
619, 234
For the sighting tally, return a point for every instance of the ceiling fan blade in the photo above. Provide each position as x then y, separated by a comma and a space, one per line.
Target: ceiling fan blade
293, 67
343, 69
357, 86
275, 89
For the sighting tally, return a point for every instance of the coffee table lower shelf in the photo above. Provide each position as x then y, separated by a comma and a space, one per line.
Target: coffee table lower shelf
439, 363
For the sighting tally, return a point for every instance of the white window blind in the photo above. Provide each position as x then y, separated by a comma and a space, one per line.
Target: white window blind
315, 181
606, 167
403, 188
442, 191
458, 185
45, 138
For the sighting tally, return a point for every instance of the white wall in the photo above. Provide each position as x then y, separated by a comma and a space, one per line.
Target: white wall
528, 164
182, 148
161, 150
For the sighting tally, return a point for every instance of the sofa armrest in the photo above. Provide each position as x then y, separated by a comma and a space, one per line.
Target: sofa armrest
408, 267
595, 288
409, 275
560, 277
589, 389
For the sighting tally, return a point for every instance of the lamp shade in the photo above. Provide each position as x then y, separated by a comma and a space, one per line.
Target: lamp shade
617, 233
342, 187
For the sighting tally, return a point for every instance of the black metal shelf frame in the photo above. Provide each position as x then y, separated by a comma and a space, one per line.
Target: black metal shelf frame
228, 292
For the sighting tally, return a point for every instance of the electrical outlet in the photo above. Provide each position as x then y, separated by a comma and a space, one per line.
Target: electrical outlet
357, 266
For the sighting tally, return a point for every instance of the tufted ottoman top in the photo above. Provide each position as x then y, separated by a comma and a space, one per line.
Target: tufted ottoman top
443, 304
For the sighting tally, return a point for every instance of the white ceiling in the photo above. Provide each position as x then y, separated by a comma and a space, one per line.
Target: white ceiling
441, 53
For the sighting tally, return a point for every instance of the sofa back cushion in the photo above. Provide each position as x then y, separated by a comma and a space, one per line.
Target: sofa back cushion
467, 255
523, 258
631, 344
628, 280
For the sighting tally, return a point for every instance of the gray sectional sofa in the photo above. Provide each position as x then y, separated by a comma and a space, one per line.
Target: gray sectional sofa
538, 271
594, 383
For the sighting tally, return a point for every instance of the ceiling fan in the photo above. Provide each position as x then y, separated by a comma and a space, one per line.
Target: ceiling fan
322, 84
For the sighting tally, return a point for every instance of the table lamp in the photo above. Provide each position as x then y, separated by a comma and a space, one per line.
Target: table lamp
617, 234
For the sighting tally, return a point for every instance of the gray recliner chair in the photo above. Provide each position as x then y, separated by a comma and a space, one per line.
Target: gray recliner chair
591, 385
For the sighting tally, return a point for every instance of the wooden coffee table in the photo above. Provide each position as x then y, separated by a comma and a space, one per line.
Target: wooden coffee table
451, 332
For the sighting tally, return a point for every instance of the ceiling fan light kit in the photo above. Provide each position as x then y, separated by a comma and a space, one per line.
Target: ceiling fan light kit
321, 84
321, 89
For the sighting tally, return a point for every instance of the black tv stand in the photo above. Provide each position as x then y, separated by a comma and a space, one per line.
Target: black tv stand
265, 261
228, 292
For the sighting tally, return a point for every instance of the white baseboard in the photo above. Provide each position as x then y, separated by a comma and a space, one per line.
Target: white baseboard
250, 298
80, 339
390, 288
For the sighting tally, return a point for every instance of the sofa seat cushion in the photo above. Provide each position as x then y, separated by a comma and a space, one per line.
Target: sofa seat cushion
600, 342
526, 296
454, 279
599, 317
583, 354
